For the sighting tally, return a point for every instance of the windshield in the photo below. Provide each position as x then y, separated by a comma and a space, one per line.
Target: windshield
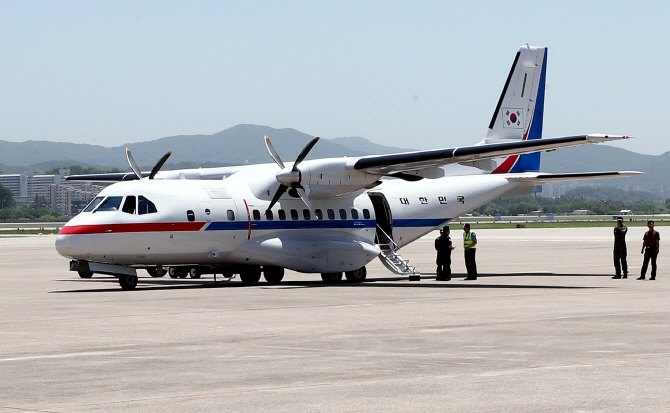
91, 206
111, 203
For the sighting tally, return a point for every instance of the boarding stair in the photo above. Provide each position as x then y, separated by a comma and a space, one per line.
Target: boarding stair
394, 262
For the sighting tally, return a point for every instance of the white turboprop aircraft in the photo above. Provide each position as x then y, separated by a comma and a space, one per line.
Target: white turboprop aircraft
328, 216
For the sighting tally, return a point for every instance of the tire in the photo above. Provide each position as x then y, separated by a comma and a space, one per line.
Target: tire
128, 282
250, 275
273, 275
85, 274
356, 276
173, 272
331, 277
193, 272
152, 271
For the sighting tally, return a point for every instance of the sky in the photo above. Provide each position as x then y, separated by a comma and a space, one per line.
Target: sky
412, 74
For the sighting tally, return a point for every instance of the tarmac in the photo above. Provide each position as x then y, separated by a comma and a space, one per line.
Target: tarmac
543, 329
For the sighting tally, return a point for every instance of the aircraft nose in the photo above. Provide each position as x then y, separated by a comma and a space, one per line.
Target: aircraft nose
64, 245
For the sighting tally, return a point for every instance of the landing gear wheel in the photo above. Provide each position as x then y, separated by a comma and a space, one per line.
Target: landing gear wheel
154, 272
250, 275
193, 272
85, 274
173, 272
331, 277
273, 275
128, 282
356, 276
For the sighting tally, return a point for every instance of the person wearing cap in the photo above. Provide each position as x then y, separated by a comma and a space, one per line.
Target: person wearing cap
620, 251
443, 247
470, 246
650, 245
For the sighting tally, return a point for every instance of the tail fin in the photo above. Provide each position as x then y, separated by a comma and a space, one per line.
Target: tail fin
518, 115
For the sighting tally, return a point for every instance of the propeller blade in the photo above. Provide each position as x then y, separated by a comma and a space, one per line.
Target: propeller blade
280, 191
273, 152
133, 165
301, 193
304, 152
159, 165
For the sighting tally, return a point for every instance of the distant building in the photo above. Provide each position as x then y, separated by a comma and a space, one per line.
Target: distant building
68, 198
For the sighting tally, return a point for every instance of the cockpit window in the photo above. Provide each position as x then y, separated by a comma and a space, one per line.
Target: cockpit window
129, 205
91, 206
111, 203
144, 206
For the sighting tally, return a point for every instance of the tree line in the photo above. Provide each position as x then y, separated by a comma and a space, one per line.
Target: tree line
598, 201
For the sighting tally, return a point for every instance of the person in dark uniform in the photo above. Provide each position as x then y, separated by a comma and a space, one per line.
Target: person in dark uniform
650, 245
620, 252
470, 246
443, 247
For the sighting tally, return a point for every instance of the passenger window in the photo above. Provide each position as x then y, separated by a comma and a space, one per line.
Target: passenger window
343, 214
306, 214
94, 203
144, 206
268, 215
129, 205
331, 214
318, 213
256, 214
282, 214
354, 213
294, 214
112, 203
366, 214
190, 215
231, 215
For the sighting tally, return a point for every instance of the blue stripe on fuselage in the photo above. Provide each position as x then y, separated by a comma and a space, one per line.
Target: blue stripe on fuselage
400, 223
319, 224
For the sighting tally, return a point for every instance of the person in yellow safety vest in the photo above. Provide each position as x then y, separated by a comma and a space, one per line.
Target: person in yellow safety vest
470, 246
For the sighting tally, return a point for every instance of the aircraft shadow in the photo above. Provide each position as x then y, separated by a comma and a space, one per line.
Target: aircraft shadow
153, 284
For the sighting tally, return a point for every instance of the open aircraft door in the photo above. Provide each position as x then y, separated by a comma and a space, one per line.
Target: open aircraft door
384, 234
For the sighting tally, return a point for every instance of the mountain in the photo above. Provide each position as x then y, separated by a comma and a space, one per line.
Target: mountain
243, 144
590, 158
362, 144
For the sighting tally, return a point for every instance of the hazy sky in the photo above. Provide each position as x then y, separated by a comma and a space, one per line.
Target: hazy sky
419, 74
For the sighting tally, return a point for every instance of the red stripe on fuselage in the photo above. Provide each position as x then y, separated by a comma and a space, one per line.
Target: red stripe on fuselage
117, 228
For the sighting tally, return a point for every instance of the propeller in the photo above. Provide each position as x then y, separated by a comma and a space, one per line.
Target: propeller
290, 178
154, 171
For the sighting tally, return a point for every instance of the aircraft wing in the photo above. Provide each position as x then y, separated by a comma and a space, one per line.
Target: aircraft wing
411, 161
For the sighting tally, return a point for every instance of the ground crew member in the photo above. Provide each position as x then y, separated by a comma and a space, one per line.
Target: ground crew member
470, 246
443, 247
620, 251
650, 244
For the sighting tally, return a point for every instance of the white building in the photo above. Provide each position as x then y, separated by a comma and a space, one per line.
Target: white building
66, 197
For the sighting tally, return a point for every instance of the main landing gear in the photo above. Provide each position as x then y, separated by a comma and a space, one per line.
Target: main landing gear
273, 275
355, 276
250, 275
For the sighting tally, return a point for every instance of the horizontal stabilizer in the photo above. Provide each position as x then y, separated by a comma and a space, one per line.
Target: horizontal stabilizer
538, 178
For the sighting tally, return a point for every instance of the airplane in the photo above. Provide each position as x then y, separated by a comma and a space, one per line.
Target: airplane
329, 216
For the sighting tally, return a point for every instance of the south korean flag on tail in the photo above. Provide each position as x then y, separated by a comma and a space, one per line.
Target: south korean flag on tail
512, 118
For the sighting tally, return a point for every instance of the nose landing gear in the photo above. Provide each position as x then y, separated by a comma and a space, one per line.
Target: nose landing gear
128, 282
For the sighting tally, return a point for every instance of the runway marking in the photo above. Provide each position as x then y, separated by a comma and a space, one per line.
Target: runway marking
64, 355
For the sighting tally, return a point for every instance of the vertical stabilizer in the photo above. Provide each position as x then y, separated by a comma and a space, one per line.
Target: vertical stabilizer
518, 115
